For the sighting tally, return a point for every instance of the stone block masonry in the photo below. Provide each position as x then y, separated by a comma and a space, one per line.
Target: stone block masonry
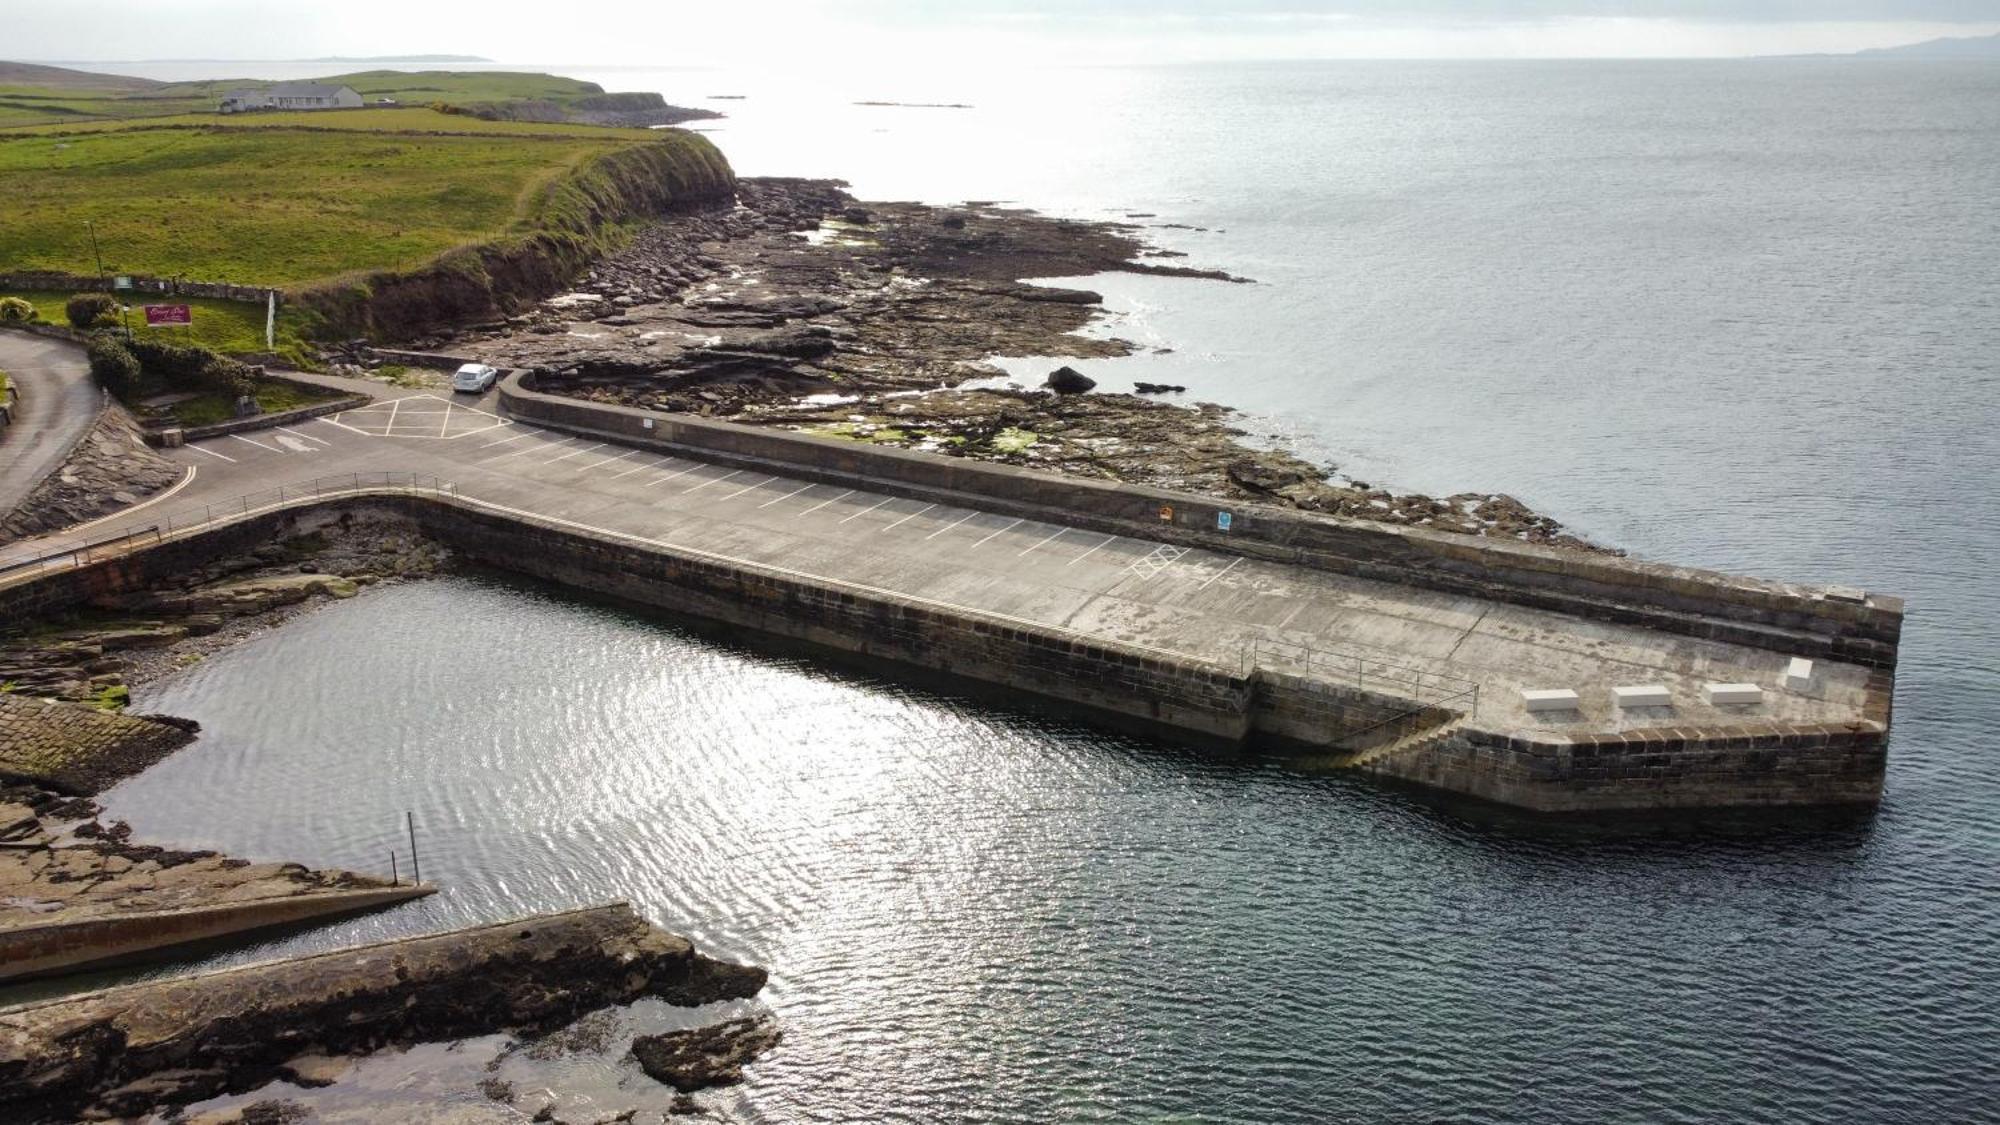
78, 749
1427, 740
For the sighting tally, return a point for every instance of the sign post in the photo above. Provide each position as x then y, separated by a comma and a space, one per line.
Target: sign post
169, 316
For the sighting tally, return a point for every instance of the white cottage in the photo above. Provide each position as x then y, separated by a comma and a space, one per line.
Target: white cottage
292, 95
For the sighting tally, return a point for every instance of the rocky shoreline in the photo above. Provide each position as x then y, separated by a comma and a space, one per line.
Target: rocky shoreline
805, 308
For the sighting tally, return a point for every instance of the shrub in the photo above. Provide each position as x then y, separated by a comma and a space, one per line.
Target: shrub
115, 367
91, 310
15, 310
186, 367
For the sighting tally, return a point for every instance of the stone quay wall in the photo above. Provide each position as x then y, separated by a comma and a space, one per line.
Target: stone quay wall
76, 749
1129, 686
50, 280
1797, 620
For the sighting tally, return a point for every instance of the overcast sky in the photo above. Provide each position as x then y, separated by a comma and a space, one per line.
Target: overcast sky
861, 32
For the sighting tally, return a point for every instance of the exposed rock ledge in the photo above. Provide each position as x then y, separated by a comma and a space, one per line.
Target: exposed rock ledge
139, 1047
807, 309
111, 469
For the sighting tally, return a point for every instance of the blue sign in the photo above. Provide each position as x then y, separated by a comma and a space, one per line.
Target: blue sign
1222, 520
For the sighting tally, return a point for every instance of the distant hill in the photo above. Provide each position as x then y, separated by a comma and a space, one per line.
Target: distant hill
398, 58
1965, 47
62, 78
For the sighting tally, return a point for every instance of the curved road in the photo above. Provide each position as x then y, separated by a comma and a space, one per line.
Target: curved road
58, 404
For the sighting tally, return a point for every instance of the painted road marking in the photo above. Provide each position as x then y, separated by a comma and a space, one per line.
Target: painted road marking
949, 526
609, 460
786, 496
258, 444
335, 421
296, 444
869, 509
528, 449
671, 476
741, 491
824, 503
574, 453
1058, 535
712, 480
642, 468
1163, 556
1009, 527
908, 518
304, 437
1220, 573
211, 453
1108, 541
511, 440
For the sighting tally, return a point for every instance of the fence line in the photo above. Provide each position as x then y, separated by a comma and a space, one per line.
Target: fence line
81, 553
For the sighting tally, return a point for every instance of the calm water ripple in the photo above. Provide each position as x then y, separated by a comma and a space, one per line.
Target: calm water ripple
1738, 315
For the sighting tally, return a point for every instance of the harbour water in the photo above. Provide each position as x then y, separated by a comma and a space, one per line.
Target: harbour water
1743, 315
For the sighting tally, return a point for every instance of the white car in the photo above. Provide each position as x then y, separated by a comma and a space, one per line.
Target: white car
476, 378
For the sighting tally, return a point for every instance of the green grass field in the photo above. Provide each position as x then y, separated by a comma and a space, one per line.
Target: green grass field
275, 398
225, 326
412, 120
270, 206
126, 99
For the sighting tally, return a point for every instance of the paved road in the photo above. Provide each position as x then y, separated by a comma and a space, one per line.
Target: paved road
1193, 602
58, 404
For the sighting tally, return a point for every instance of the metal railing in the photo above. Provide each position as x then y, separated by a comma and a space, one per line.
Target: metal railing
59, 553
1364, 672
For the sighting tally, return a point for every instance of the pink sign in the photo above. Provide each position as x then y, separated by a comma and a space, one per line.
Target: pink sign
164, 315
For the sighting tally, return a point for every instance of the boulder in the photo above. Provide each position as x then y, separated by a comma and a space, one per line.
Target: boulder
706, 1056
1069, 381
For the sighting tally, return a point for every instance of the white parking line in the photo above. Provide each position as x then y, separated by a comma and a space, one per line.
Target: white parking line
824, 503
1220, 573
786, 496
672, 476
211, 453
1009, 527
609, 460
394, 405
949, 526
529, 449
741, 491
908, 518
1060, 532
641, 468
258, 444
511, 440
1108, 541
575, 453
350, 429
869, 509
712, 480
302, 437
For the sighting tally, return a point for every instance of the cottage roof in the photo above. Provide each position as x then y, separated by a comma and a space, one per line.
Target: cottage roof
304, 90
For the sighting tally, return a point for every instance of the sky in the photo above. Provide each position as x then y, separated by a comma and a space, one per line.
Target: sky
831, 34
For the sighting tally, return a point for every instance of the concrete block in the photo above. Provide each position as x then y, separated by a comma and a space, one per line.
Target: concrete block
1732, 693
1642, 695
1799, 674
1549, 699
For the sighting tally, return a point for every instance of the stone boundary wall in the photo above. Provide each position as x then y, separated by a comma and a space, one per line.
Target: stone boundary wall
155, 286
1797, 620
1754, 763
268, 421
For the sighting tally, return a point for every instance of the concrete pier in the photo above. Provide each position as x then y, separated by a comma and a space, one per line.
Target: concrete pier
1400, 651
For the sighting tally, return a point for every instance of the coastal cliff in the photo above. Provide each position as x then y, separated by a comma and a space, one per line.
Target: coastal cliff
580, 216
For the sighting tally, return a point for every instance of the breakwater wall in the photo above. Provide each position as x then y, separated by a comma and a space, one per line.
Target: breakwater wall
1183, 697
1781, 617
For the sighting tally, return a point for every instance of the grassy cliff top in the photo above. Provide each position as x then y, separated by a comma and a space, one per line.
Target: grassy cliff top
288, 199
